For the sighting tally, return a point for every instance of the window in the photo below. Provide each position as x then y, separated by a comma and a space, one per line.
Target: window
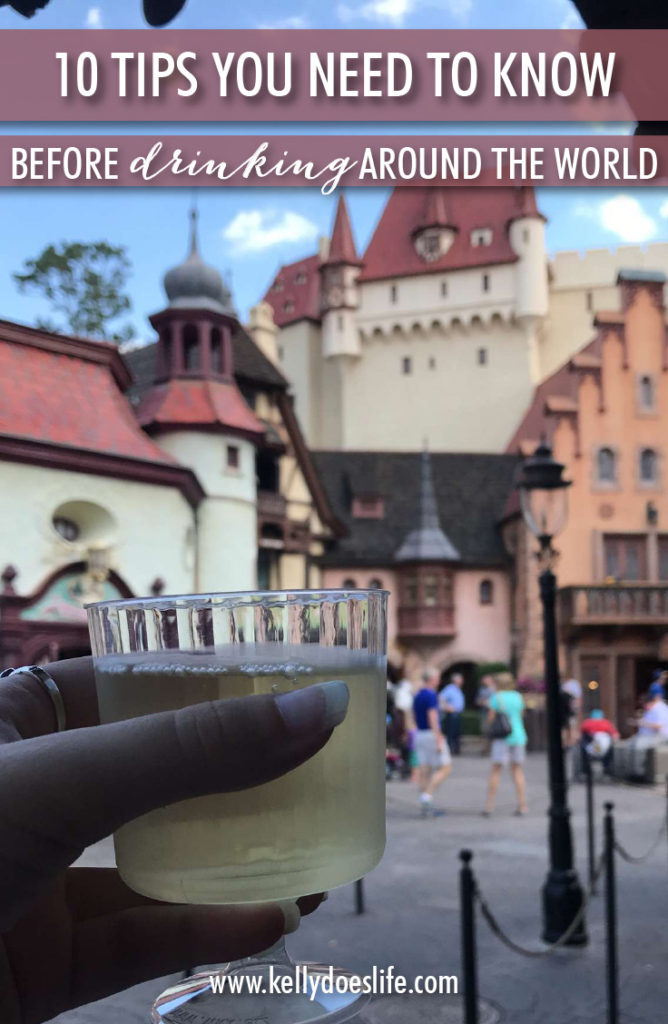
646, 393
625, 556
428, 245
288, 306
648, 466
349, 583
432, 363
444, 289
300, 278
368, 507
375, 584
486, 592
267, 472
525, 235
606, 466
410, 597
482, 357
481, 236
216, 351
394, 292
485, 282
663, 557
589, 301
278, 286
339, 322
67, 528
406, 365
167, 352
233, 459
191, 347
280, 352
430, 591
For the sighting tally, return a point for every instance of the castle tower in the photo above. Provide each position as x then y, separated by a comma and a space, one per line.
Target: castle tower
197, 414
526, 232
425, 570
339, 273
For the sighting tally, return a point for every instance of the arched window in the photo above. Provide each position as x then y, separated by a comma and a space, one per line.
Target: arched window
167, 357
375, 584
606, 466
191, 347
486, 592
349, 583
216, 351
648, 466
646, 392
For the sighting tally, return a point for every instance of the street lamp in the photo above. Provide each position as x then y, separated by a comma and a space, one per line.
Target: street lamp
544, 502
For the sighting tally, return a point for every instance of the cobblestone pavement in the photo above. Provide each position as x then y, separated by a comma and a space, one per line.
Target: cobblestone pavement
412, 918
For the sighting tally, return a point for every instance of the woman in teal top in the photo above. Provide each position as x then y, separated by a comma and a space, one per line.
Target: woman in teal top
512, 749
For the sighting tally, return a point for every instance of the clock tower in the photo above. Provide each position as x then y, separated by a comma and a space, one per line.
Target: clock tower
340, 299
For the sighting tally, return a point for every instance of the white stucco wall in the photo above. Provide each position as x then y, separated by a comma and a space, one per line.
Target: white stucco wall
227, 517
151, 536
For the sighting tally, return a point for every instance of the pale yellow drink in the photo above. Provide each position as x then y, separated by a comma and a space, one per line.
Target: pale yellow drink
319, 826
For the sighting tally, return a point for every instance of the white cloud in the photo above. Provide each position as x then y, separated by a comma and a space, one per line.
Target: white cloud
396, 11
256, 230
291, 21
94, 18
663, 209
622, 216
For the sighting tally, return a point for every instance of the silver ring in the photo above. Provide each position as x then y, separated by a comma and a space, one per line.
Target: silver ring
47, 683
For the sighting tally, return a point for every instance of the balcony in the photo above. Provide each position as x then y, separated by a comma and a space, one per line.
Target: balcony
426, 622
270, 505
641, 604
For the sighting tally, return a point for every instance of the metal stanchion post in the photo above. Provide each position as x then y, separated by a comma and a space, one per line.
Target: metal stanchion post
359, 896
667, 800
591, 828
611, 916
469, 967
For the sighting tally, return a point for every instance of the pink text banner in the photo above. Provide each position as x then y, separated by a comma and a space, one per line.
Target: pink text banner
327, 162
332, 75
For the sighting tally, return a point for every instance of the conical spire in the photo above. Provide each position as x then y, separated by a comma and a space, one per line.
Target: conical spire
428, 542
342, 247
434, 214
194, 284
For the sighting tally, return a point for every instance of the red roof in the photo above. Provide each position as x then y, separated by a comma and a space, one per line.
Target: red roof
391, 251
295, 293
65, 391
202, 403
342, 247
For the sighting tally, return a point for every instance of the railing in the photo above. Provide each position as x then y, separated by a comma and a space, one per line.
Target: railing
426, 621
270, 505
614, 603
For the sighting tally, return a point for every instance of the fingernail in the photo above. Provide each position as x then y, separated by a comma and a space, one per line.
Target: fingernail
323, 705
291, 916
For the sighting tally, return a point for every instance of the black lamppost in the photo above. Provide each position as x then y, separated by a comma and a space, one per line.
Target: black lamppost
544, 501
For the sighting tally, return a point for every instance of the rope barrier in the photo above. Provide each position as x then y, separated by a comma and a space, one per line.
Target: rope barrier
561, 941
631, 859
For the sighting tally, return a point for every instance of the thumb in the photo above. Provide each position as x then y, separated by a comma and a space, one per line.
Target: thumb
61, 793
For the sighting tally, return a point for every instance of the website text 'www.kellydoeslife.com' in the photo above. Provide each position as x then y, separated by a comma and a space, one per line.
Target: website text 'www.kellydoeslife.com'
316, 981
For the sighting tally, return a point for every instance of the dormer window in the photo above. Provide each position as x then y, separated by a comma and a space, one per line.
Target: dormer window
481, 236
432, 243
300, 278
278, 286
368, 507
288, 306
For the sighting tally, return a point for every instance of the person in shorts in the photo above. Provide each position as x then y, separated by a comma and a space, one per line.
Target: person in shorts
512, 749
431, 747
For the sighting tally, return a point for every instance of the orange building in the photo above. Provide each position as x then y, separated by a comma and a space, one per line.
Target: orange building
606, 415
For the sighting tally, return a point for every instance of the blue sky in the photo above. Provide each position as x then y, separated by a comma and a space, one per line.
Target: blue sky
248, 233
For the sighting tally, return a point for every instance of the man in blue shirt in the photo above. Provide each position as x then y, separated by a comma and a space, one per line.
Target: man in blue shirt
452, 703
431, 748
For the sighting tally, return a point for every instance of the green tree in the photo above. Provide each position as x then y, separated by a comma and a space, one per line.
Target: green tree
85, 283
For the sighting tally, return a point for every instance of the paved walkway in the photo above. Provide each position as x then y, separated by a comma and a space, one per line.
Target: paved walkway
412, 920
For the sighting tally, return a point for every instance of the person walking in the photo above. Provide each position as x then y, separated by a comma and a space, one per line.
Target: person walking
512, 749
452, 703
486, 691
431, 747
